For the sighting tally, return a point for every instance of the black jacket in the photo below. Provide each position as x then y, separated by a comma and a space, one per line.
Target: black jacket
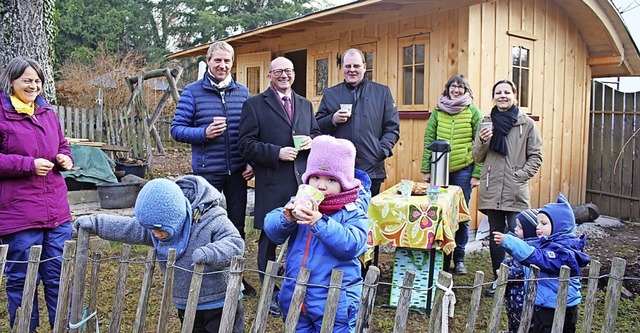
374, 125
264, 129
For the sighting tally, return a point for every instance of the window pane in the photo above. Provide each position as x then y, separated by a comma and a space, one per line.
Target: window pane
419, 82
368, 57
369, 75
420, 54
253, 80
524, 57
516, 55
524, 88
322, 75
516, 77
407, 55
407, 84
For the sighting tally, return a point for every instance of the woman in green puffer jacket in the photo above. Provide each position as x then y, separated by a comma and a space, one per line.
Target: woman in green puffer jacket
456, 120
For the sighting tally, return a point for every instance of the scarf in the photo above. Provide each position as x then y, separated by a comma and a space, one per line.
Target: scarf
22, 107
222, 85
335, 202
454, 106
503, 122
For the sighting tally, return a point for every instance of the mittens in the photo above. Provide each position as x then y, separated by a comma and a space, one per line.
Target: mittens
202, 255
85, 222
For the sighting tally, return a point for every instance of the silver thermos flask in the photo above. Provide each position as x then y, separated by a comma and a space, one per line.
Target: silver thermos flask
440, 150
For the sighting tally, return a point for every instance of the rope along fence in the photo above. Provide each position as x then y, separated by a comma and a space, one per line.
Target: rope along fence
75, 317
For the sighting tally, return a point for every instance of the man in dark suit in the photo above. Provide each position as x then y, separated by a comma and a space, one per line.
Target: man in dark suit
268, 123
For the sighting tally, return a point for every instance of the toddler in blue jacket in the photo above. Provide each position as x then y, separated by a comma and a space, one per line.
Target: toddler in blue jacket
331, 237
557, 246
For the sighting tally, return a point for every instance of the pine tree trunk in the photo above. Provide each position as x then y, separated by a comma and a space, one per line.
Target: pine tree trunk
27, 28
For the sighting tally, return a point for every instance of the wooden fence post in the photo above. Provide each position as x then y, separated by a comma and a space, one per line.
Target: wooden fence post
297, 300
612, 298
66, 278
82, 250
167, 292
435, 320
192, 299
368, 299
22, 323
590, 299
121, 288
561, 299
475, 301
262, 313
333, 299
529, 299
3, 258
141, 311
233, 293
498, 299
93, 289
404, 302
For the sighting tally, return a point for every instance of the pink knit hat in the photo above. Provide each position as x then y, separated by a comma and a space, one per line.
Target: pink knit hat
332, 157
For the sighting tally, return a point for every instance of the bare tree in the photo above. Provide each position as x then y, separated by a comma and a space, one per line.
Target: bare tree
27, 29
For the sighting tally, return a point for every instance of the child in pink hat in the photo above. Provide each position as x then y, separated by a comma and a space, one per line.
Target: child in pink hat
331, 237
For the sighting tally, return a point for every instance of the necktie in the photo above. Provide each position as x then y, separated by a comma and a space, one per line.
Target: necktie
287, 107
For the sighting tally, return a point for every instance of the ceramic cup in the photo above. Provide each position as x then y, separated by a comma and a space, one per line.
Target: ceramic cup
305, 198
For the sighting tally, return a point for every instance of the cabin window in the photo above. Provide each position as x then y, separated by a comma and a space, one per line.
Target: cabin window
253, 80
322, 75
413, 72
368, 57
521, 66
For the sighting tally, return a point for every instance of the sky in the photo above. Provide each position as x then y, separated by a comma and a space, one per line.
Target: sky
630, 11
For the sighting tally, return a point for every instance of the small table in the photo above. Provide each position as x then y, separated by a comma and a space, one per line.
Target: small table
424, 229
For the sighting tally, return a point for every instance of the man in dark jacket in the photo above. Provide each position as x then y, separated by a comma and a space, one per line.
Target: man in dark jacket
208, 117
372, 123
269, 121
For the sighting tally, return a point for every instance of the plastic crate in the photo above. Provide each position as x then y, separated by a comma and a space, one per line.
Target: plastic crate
420, 262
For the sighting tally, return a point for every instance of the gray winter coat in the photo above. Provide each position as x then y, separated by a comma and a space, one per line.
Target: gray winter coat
212, 230
504, 183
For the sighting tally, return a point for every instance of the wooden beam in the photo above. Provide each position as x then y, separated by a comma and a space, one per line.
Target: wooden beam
612, 61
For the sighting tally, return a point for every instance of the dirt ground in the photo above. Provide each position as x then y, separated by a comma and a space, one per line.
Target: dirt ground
622, 242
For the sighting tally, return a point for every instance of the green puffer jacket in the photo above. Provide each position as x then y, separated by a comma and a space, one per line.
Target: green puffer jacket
459, 130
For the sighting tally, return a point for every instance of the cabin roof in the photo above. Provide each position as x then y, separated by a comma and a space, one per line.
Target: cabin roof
611, 49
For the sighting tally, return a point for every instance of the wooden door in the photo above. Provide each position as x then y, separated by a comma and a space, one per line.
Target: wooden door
252, 71
322, 68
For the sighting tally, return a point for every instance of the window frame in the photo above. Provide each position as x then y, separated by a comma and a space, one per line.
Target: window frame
407, 41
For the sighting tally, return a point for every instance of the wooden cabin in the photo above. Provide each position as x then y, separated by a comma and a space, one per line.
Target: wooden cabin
550, 48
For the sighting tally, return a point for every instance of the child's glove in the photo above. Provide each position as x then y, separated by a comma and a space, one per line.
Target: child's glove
202, 255
85, 222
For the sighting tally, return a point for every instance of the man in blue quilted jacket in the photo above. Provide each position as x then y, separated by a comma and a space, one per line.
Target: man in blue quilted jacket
207, 117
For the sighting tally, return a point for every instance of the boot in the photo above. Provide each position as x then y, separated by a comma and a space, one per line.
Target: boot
460, 269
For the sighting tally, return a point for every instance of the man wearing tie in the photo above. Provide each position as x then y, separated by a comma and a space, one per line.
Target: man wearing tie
267, 125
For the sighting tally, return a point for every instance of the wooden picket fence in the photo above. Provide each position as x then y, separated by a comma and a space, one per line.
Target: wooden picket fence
74, 271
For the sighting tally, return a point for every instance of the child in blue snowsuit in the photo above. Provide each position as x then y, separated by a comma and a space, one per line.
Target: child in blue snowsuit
526, 224
557, 246
333, 237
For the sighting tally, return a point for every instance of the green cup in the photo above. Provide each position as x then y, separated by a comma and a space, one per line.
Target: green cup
297, 141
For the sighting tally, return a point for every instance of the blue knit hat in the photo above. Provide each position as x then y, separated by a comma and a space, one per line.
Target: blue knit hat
561, 216
161, 205
529, 221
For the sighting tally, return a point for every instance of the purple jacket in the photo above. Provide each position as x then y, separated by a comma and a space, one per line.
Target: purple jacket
29, 201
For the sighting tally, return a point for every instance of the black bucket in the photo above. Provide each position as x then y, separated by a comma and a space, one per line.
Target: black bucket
138, 168
118, 195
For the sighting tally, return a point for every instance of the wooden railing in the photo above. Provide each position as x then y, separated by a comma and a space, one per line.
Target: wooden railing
74, 270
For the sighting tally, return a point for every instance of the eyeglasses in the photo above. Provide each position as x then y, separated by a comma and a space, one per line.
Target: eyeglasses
455, 86
278, 72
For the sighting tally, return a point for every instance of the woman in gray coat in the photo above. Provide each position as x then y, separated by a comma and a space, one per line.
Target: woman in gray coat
511, 153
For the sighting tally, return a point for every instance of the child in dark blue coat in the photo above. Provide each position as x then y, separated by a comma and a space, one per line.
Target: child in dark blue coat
557, 246
526, 225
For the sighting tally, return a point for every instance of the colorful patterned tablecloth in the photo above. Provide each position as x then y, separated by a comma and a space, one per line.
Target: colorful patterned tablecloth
416, 222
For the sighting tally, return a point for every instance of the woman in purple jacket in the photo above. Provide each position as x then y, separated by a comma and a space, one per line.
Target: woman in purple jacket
33, 195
